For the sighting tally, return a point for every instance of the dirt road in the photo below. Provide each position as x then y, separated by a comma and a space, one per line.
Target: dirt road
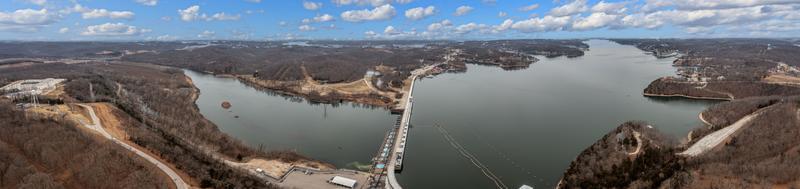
97, 126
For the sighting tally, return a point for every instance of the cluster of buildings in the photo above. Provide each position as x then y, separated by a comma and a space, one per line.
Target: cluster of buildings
783, 68
30, 87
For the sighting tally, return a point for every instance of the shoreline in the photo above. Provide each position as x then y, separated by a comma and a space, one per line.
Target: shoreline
283, 90
703, 119
686, 96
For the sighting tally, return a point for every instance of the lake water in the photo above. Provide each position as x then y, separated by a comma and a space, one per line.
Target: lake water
524, 125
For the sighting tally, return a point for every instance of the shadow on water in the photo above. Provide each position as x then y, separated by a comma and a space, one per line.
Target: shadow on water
681, 100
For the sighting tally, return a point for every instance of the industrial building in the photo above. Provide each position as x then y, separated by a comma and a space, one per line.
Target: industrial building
30, 87
343, 181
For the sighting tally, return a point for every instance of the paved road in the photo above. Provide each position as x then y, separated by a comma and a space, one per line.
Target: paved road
712, 140
97, 126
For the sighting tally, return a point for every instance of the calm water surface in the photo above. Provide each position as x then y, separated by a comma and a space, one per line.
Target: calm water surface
525, 125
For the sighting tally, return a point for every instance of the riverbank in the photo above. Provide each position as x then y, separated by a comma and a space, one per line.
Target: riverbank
686, 96
361, 91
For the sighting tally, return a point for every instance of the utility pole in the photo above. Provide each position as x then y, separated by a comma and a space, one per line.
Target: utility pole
91, 92
35, 100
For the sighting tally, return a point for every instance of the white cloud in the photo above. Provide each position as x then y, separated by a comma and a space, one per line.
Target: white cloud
38, 2
148, 2
103, 13
711, 4
652, 5
462, 10
27, 17
26, 20
63, 30
374, 3
87, 13
774, 26
319, 18
610, 8
789, 12
529, 7
572, 8
546, 23
75, 8
420, 12
383, 12
113, 29
306, 28
259, 11
439, 25
699, 30
308, 5
163, 38
502, 14
323, 18
641, 20
253, 1
706, 20
469, 27
594, 21
404, 1
709, 17
206, 34
370, 34
190, 14
503, 26
390, 30
222, 17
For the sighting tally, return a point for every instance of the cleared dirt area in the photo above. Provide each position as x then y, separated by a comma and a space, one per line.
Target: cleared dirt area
109, 120
361, 86
276, 168
782, 79
298, 179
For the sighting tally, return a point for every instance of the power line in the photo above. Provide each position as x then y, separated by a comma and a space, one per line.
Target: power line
463, 151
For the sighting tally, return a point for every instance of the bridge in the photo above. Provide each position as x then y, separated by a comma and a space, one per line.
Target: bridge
396, 160
389, 158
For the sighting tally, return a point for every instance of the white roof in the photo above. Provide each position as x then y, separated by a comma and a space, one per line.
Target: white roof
525, 187
343, 181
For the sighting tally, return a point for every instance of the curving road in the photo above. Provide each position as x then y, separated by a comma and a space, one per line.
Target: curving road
97, 126
710, 141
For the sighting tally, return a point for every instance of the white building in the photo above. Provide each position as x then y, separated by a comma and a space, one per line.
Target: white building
343, 181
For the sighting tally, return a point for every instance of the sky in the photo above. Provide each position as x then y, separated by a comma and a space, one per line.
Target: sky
125, 20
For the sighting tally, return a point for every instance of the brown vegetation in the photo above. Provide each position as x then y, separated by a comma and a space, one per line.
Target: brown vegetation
166, 121
607, 163
763, 154
766, 153
54, 153
286, 68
